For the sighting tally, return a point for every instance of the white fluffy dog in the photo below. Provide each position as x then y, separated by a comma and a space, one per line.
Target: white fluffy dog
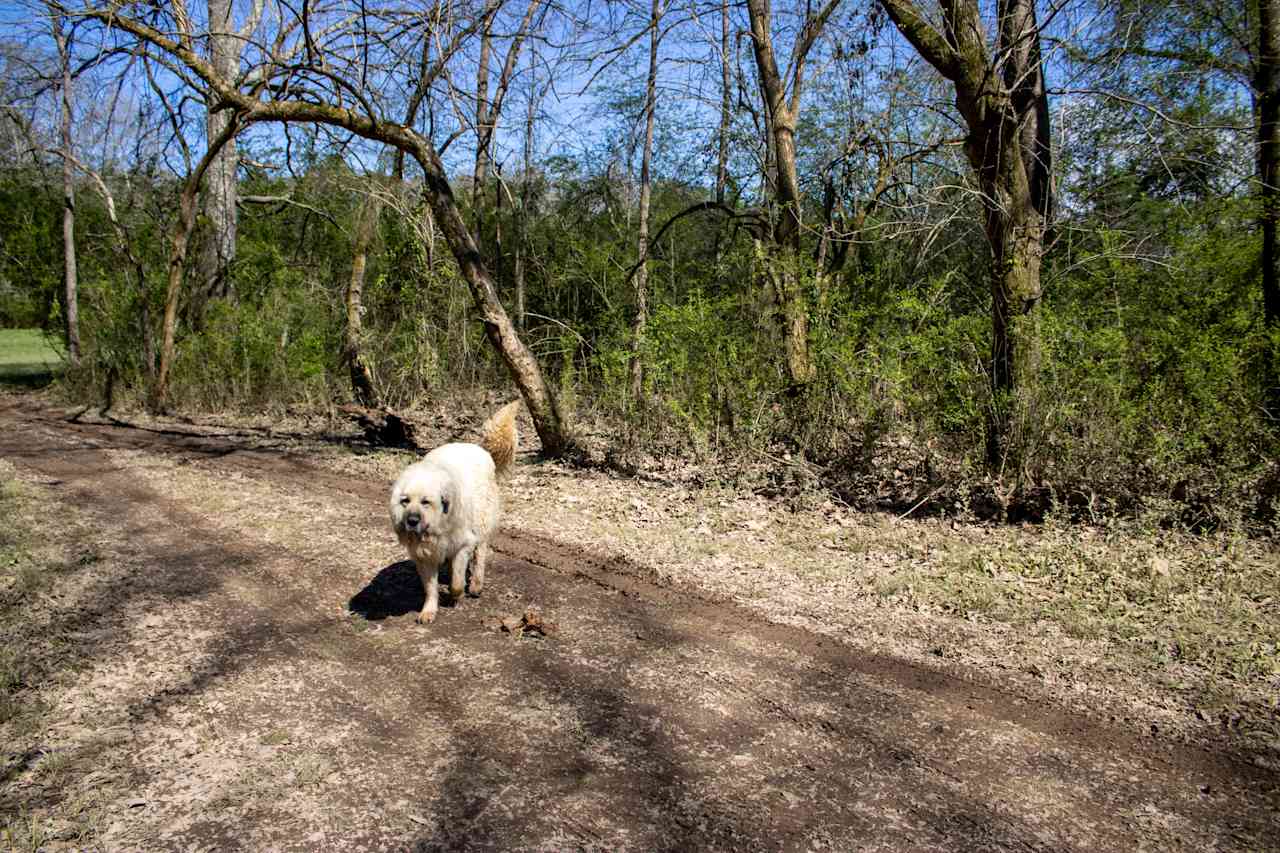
446, 507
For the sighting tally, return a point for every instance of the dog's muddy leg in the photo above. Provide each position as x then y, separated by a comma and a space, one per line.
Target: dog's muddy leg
476, 585
430, 584
458, 573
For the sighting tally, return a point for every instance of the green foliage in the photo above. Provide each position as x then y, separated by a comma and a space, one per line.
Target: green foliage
280, 350
30, 249
1153, 359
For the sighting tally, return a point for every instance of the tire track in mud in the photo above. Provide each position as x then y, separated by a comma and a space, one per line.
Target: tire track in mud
692, 722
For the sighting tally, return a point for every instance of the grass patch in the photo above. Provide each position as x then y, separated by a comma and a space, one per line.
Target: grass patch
28, 358
25, 831
279, 737
1206, 608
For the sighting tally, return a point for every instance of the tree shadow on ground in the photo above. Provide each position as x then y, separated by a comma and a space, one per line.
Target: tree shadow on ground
643, 727
631, 768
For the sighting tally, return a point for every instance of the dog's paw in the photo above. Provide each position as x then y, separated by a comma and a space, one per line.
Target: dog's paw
425, 618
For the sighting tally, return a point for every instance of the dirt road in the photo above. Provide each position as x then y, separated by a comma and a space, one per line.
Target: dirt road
247, 675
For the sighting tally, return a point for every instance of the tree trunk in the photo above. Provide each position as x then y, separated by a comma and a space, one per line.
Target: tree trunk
646, 194
484, 128
362, 384
1268, 89
726, 105
550, 424
179, 243
70, 273
179, 240
526, 198
221, 188
1006, 109
783, 262
1016, 236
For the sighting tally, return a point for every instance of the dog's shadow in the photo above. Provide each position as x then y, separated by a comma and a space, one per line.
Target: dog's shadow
396, 591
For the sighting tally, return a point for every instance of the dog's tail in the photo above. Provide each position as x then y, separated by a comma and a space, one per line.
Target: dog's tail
499, 436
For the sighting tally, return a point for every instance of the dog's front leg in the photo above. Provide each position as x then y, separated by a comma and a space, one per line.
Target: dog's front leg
458, 573
476, 585
431, 586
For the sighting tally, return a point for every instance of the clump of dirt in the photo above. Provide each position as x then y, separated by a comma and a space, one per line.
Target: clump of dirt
530, 624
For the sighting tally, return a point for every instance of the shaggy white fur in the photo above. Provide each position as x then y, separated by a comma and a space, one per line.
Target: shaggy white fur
446, 507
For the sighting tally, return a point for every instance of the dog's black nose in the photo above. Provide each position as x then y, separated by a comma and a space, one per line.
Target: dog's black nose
412, 519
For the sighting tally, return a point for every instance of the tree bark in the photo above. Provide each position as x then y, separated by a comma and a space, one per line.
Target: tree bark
484, 127
526, 201
1006, 109
641, 282
782, 261
1268, 93
179, 243
70, 273
726, 106
221, 188
362, 384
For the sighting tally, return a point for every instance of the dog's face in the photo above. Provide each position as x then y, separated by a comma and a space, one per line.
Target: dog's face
421, 501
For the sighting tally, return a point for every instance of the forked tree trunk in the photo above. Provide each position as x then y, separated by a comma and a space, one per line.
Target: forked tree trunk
1003, 101
783, 263
179, 244
179, 241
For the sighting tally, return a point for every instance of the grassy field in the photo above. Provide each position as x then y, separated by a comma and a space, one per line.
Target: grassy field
28, 358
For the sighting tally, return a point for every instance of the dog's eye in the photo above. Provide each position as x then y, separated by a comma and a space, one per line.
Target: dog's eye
404, 501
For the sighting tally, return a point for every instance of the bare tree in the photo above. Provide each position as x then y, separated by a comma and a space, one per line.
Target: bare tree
641, 280
366, 229
331, 93
225, 44
780, 92
70, 279
1000, 93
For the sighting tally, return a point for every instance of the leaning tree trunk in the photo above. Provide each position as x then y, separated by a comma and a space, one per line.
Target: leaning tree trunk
1268, 88
551, 426
362, 384
70, 277
179, 243
548, 421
